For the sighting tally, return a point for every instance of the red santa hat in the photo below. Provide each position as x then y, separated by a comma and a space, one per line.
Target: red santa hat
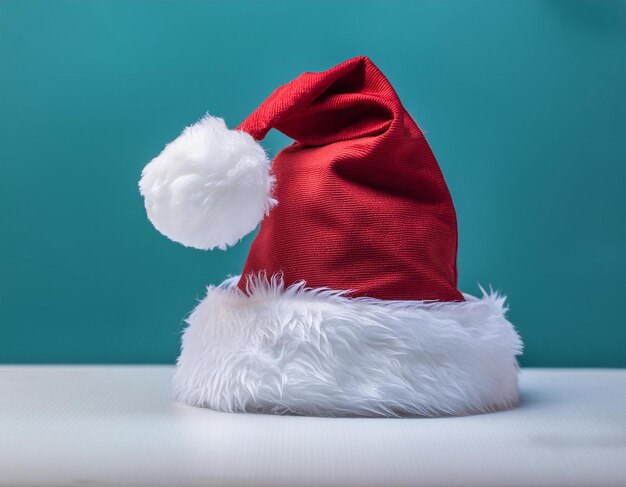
348, 301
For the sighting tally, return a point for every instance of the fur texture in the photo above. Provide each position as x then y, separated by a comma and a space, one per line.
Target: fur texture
317, 352
209, 187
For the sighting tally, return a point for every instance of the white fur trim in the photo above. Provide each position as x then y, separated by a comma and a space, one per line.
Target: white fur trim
209, 187
318, 352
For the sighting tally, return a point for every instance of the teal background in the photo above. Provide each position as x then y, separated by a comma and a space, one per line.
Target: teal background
523, 103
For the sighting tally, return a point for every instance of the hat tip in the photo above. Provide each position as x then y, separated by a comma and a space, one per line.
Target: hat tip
209, 187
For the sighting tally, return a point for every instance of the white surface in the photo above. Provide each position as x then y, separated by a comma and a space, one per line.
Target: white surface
117, 426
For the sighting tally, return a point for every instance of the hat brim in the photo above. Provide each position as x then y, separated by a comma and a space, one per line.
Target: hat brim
294, 350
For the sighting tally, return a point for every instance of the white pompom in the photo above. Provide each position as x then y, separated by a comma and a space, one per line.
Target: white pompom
209, 187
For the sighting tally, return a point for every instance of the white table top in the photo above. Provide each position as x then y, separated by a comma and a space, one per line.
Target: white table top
116, 425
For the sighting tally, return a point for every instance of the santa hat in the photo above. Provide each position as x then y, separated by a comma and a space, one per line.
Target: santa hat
348, 301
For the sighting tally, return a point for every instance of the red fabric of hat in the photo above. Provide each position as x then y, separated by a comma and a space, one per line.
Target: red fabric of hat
362, 203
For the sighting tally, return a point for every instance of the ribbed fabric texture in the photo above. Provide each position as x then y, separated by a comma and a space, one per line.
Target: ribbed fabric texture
362, 203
